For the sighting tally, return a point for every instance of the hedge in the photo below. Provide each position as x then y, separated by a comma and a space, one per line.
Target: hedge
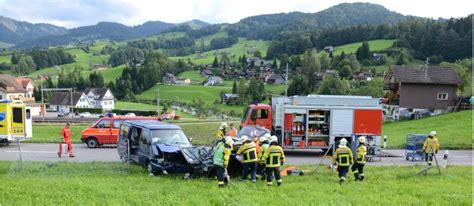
90, 110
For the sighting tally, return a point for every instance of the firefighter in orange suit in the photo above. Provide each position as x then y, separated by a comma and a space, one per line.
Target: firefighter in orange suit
66, 136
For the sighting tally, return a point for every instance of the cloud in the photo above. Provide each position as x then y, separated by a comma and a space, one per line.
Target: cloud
74, 13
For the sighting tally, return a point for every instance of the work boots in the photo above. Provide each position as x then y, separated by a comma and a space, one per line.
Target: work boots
357, 176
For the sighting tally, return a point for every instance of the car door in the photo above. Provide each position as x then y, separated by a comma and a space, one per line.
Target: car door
144, 145
104, 132
114, 132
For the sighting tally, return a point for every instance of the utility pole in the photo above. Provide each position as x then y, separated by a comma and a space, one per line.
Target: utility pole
286, 81
42, 98
177, 109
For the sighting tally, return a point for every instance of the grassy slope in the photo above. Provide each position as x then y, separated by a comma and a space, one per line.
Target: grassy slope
374, 45
5, 58
454, 130
109, 184
235, 51
194, 76
185, 93
134, 106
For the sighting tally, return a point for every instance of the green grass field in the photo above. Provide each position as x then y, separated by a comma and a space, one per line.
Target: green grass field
194, 76
201, 133
185, 93
374, 45
234, 51
5, 58
110, 184
135, 106
454, 130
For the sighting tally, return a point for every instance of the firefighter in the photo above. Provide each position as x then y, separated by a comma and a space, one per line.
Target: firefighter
343, 158
274, 157
221, 132
249, 153
358, 166
221, 160
264, 144
232, 130
430, 147
66, 136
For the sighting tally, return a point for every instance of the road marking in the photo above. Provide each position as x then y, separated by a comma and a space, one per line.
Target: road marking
46, 152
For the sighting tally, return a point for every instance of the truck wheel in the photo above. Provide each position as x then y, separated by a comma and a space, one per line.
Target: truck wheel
92, 142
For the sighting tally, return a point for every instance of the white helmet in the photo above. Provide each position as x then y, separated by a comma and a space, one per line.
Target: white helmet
244, 138
223, 125
274, 138
362, 139
262, 139
433, 133
229, 141
343, 142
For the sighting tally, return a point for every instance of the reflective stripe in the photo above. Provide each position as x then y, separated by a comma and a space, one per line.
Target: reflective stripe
269, 183
250, 155
280, 180
220, 183
343, 160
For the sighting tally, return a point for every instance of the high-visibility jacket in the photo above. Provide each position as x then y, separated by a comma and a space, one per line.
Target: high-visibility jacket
249, 152
221, 155
274, 156
233, 132
431, 145
360, 154
261, 153
220, 134
343, 157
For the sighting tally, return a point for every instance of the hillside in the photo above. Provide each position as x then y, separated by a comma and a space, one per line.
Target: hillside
454, 130
266, 27
343, 15
12, 31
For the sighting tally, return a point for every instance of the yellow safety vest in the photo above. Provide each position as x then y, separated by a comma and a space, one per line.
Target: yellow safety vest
249, 152
273, 156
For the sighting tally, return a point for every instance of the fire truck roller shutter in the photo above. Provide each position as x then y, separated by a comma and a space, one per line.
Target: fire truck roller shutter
368, 121
342, 122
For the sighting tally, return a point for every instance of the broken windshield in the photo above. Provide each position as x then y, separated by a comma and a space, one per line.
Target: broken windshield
169, 136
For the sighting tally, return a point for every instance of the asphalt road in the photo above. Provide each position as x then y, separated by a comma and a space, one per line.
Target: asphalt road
47, 152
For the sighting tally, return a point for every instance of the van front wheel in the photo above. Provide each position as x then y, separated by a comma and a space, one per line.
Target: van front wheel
92, 142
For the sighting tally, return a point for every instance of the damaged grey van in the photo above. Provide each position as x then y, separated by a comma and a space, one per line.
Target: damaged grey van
162, 148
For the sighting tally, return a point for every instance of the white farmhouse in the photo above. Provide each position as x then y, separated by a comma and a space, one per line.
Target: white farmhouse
61, 101
100, 98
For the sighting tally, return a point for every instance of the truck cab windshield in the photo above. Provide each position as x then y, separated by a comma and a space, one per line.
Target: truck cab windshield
169, 136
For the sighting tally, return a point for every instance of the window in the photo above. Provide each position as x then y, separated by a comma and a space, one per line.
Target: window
263, 114
117, 123
442, 96
28, 114
145, 137
17, 115
103, 124
169, 136
124, 130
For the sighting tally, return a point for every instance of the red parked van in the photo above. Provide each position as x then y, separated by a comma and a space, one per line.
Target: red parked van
106, 130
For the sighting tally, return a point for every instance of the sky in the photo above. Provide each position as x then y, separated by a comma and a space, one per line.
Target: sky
74, 13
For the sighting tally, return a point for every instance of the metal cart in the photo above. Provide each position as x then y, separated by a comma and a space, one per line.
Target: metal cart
373, 148
414, 147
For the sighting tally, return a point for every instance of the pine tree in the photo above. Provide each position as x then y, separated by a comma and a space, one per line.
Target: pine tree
234, 88
215, 64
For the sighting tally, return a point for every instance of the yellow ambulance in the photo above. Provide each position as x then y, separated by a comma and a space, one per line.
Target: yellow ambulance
15, 121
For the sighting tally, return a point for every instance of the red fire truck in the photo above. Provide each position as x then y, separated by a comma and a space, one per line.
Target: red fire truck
318, 121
